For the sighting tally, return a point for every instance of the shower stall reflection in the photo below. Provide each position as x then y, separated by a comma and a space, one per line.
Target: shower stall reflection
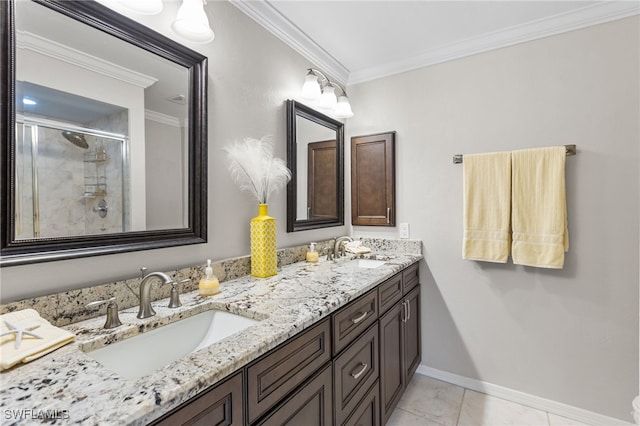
69, 181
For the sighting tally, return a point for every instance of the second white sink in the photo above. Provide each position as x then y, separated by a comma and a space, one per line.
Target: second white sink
140, 355
368, 263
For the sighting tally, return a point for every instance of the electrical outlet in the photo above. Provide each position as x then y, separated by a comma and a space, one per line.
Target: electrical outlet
404, 230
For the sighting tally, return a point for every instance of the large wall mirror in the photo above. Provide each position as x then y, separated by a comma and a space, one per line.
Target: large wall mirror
103, 134
315, 156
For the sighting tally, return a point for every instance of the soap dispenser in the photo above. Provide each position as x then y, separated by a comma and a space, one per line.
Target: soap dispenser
312, 254
209, 284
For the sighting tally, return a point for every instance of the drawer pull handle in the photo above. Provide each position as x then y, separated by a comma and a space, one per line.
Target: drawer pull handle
362, 316
359, 373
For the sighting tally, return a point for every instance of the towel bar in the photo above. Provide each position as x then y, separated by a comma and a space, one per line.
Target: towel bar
570, 149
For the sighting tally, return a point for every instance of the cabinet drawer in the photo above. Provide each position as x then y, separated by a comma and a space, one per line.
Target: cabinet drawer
354, 372
310, 406
367, 413
410, 277
274, 375
352, 320
222, 405
389, 292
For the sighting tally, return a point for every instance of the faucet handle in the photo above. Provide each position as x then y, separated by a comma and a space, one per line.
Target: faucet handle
112, 320
174, 299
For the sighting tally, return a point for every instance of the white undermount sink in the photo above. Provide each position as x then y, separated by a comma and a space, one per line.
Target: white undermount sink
365, 263
139, 355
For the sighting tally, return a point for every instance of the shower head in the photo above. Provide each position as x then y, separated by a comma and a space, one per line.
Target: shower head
76, 138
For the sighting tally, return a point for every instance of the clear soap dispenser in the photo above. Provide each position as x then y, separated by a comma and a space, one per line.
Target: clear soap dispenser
209, 284
312, 254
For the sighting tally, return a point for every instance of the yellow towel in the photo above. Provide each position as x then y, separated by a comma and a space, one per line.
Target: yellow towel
487, 194
30, 347
539, 207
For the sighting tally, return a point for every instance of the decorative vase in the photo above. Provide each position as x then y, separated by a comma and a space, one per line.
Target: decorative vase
264, 260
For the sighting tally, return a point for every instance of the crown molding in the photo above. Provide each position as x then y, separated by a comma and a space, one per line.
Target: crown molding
579, 18
267, 16
159, 117
52, 49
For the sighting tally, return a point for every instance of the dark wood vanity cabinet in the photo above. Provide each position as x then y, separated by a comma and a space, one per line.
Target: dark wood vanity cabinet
311, 405
273, 377
400, 350
373, 193
220, 406
349, 369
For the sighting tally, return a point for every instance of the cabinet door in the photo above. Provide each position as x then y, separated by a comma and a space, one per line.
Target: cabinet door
392, 374
412, 348
373, 180
367, 413
322, 201
221, 405
311, 405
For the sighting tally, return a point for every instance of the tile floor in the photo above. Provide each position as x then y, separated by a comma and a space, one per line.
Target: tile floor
430, 402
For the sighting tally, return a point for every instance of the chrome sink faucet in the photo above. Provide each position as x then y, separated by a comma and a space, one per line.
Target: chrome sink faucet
146, 310
338, 246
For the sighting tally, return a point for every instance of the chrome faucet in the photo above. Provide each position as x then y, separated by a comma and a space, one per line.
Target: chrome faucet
146, 310
338, 246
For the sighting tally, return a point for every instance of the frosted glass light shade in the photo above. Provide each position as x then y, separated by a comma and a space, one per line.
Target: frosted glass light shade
343, 109
192, 24
143, 7
328, 99
310, 88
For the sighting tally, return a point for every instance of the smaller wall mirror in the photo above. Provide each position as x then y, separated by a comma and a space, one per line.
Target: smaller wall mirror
315, 156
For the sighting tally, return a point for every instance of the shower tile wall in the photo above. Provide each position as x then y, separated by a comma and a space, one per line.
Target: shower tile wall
64, 211
117, 219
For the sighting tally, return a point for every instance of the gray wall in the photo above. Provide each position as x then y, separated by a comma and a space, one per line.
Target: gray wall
251, 74
568, 335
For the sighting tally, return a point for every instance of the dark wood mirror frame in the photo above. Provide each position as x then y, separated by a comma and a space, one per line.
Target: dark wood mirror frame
296, 109
17, 252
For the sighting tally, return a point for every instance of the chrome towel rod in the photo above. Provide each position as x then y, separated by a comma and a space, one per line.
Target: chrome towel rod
570, 150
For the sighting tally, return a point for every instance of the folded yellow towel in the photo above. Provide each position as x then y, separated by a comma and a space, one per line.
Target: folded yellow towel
539, 207
487, 195
29, 347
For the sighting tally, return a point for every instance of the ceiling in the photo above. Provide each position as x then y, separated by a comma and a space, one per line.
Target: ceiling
361, 40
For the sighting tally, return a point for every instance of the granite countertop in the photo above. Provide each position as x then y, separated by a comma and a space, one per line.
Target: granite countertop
76, 389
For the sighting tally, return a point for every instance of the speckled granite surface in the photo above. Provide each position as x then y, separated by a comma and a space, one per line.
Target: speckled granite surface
79, 390
70, 306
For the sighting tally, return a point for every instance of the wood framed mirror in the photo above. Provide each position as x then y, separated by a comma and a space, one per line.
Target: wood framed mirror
315, 156
104, 134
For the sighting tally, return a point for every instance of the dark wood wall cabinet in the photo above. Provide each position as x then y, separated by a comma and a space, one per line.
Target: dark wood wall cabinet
349, 369
373, 192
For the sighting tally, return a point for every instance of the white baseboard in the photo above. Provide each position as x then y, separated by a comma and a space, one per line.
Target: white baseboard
532, 401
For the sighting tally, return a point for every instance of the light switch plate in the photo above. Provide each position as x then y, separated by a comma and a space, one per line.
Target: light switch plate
404, 230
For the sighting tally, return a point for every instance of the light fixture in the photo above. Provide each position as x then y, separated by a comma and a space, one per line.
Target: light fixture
311, 88
192, 24
28, 101
321, 91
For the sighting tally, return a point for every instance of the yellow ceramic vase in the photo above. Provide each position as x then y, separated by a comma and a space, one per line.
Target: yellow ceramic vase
264, 260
